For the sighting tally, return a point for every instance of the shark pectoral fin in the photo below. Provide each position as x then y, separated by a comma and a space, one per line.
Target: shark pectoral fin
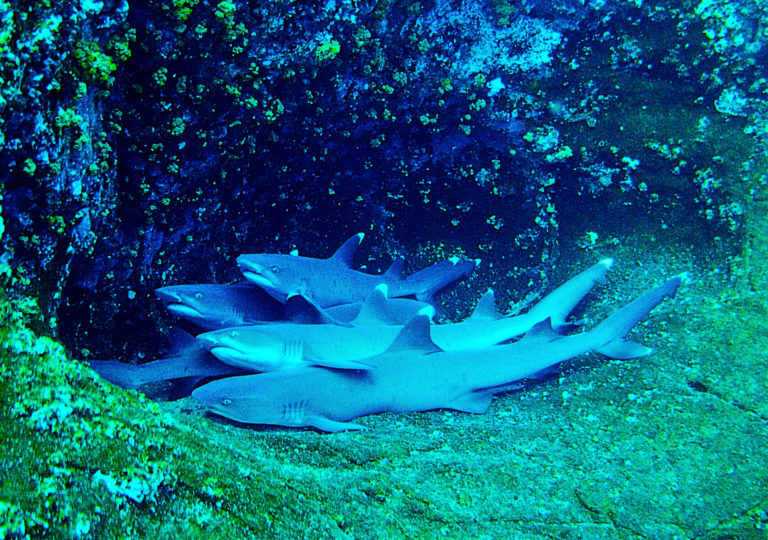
300, 309
473, 402
326, 424
624, 349
340, 364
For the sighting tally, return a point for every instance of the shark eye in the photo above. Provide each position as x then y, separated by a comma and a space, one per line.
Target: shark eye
226, 401
233, 333
275, 269
198, 295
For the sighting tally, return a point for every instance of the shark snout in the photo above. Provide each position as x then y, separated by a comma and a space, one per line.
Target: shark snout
217, 338
168, 296
255, 273
207, 341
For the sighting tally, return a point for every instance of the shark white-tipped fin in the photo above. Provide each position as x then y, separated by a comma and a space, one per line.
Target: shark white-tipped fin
414, 336
428, 311
558, 304
347, 250
622, 321
294, 253
613, 329
433, 278
486, 308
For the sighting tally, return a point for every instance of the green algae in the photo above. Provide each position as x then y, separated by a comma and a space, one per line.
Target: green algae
82, 458
666, 445
657, 447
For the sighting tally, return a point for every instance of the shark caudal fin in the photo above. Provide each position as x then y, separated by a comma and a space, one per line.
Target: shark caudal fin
558, 304
429, 281
614, 329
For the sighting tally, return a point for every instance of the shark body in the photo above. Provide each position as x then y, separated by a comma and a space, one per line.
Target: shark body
332, 281
289, 346
414, 374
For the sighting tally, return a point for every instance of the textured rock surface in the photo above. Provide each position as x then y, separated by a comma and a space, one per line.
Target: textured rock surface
146, 145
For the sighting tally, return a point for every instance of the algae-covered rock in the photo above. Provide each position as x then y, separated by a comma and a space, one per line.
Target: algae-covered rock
148, 144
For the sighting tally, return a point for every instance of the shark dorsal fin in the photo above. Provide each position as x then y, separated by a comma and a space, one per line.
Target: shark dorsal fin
486, 308
541, 331
395, 270
414, 337
347, 250
374, 310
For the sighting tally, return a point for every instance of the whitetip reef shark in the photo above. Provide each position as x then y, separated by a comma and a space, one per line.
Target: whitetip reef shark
210, 306
332, 281
414, 374
290, 346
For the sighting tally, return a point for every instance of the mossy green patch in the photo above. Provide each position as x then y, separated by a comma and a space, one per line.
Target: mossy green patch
95, 65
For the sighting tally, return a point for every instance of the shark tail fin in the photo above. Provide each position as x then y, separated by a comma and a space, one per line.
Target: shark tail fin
614, 329
430, 280
558, 304
347, 250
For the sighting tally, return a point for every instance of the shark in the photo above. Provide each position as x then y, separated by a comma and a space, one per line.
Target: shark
332, 281
186, 359
210, 306
289, 346
415, 374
